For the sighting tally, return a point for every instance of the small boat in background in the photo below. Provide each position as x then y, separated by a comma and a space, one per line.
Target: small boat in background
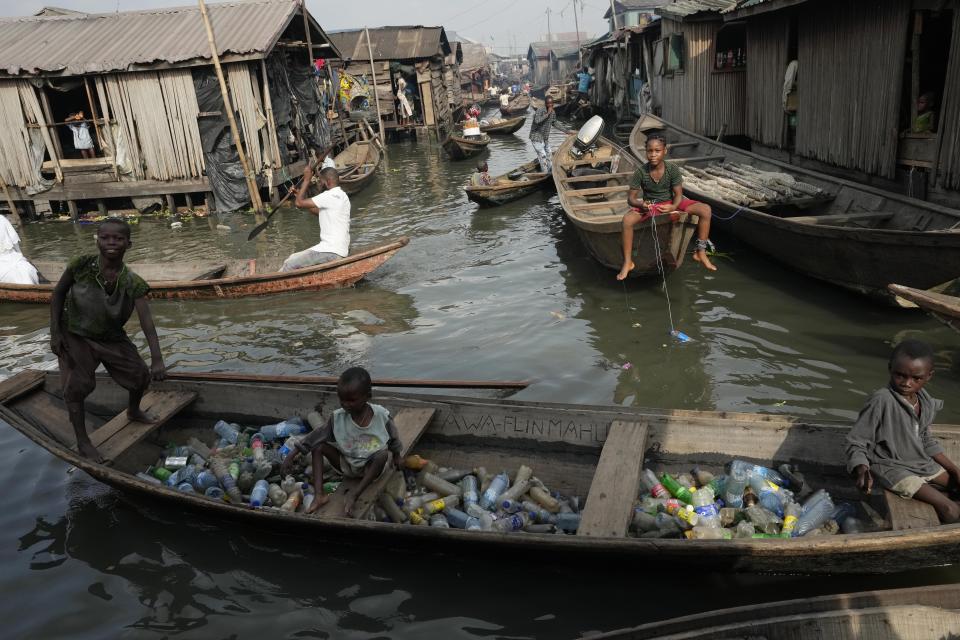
504, 127
461, 147
592, 179
358, 164
516, 107
228, 279
522, 181
941, 306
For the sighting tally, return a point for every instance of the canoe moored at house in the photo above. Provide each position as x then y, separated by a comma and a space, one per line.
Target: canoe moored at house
941, 306
513, 185
229, 279
460, 147
852, 235
358, 163
592, 451
593, 192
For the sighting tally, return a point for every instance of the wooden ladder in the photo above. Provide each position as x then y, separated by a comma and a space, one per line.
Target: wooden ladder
616, 482
121, 433
411, 423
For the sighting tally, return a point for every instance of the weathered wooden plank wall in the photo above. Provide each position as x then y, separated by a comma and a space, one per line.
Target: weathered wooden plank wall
698, 98
766, 63
948, 164
851, 64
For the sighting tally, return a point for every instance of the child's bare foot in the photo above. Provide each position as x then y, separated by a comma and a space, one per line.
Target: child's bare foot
701, 257
348, 505
318, 501
87, 450
625, 271
137, 415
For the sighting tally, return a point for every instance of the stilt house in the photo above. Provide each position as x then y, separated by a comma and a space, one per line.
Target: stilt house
415, 53
152, 104
538, 55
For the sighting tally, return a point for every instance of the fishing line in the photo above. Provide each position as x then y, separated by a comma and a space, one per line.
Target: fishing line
732, 215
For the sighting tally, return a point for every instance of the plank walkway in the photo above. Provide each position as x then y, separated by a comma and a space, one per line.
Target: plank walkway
616, 482
411, 423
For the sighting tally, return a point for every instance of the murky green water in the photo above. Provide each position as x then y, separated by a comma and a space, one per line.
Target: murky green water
498, 293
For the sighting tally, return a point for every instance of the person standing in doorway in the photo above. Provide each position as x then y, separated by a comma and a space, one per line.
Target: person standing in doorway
406, 111
82, 141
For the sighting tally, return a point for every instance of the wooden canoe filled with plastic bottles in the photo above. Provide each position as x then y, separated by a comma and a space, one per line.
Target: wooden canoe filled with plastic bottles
590, 461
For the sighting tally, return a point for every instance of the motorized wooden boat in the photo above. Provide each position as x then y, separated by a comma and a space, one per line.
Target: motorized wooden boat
460, 147
228, 279
852, 235
941, 306
592, 451
516, 107
358, 164
513, 185
593, 192
916, 613
503, 127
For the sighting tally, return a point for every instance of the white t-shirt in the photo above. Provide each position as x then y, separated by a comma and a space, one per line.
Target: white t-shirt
334, 205
504, 100
328, 162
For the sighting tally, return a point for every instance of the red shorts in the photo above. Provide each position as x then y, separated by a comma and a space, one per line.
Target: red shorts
654, 210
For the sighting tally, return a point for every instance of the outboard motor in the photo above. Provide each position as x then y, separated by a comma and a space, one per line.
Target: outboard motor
587, 136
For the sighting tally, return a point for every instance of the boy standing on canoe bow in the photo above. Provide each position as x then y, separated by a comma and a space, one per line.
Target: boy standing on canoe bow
92, 301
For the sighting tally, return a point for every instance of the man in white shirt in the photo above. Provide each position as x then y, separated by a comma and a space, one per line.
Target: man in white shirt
332, 208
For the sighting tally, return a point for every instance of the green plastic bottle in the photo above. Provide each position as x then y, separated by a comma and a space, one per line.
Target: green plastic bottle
676, 489
160, 473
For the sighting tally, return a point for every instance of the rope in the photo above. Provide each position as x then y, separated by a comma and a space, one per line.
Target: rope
663, 273
731, 216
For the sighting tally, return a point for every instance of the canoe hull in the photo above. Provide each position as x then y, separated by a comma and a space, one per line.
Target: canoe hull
504, 128
494, 431
460, 148
565, 439
331, 275
493, 197
944, 308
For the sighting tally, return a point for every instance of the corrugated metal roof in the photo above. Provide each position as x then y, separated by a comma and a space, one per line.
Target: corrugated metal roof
565, 49
100, 43
559, 48
635, 5
752, 7
474, 57
393, 43
684, 8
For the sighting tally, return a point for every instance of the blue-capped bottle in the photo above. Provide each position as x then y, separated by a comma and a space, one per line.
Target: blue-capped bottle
258, 496
227, 431
497, 486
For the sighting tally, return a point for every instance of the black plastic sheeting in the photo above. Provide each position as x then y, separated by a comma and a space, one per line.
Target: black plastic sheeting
223, 168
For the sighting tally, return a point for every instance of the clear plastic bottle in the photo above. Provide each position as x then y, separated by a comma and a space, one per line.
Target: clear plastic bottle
277, 495
790, 516
468, 490
258, 496
763, 520
198, 447
288, 484
482, 515
415, 502
756, 469
219, 468
538, 513
227, 431
393, 511
513, 522
813, 499
283, 430
736, 483
185, 474
815, 517
497, 486
703, 532
204, 480
718, 485
702, 477
451, 475
643, 521
256, 445
511, 506
438, 505
676, 489
686, 480
744, 529
214, 493
568, 522
706, 510
185, 487
437, 484
289, 446
439, 520
653, 485
542, 497
668, 523
246, 481
293, 501
460, 520
771, 497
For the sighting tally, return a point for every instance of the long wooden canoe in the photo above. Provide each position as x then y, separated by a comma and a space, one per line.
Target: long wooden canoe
917, 613
230, 279
944, 308
852, 235
504, 127
358, 165
593, 193
513, 185
460, 147
517, 106
564, 444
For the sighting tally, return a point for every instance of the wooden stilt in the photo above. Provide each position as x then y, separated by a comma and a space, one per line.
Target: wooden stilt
171, 203
102, 207
189, 200
74, 210
209, 202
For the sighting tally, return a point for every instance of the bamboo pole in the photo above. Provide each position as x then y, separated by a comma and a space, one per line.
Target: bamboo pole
228, 106
271, 121
373, 74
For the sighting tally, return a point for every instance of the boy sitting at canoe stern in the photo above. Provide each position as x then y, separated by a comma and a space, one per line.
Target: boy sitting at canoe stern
891, 437
94, 298
661, 186
355, 439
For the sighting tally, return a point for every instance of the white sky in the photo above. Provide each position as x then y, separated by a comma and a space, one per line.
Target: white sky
497, 23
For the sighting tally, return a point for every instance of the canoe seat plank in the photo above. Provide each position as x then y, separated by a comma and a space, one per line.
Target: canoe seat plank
907, 513
696, 159
121, 433
842, 218
619, 188
600, 177
49, 413
616, 481
411, 423
19, 384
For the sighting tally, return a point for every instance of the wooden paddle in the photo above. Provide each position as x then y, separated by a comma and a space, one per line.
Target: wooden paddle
230, 376
263, 225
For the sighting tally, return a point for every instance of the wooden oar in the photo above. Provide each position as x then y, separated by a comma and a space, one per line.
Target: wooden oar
263, 225
231, 376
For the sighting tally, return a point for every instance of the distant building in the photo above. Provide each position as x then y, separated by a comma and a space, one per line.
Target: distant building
551, 61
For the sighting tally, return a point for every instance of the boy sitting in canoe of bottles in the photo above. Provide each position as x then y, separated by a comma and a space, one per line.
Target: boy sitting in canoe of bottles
94, 298
891, 437
355, 439
661, 186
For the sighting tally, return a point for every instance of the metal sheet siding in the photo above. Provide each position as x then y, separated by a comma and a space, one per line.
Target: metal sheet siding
699, 99
391, 43
101, 43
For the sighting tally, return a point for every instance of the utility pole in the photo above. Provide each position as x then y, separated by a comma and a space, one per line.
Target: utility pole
576, 25
613, 13
549, 49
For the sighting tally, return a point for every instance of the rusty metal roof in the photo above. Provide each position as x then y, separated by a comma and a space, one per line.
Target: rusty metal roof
679, 9
393, 43
84, 43
474, 57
